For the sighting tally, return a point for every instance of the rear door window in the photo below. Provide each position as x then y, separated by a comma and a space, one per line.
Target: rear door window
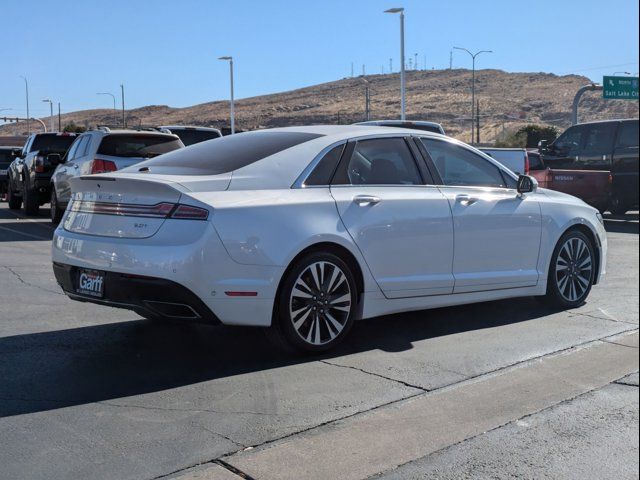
598, 138
381, 161
228, 153
628, 135
137, 145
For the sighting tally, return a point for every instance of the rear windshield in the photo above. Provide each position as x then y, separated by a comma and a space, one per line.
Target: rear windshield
52, 143
535, 161
137, 145
228, 153
189, 137
5, 155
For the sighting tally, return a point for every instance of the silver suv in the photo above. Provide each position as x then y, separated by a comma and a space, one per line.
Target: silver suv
105, 150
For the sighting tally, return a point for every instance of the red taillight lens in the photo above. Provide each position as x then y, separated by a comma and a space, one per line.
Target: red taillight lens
189, 212
102, 166
38, 164
159, 210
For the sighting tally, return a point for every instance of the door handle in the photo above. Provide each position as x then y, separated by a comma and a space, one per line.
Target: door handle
364, 200
466, 200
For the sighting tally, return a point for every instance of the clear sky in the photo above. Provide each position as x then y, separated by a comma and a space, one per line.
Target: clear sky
165, 52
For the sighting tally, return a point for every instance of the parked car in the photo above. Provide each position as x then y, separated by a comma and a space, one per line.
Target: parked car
416, 125
104, 150
29, 176
190, 135
515, 159
7, 154
606, 146
306, 229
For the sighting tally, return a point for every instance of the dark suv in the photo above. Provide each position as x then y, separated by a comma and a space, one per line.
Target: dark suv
29, 176
611, 146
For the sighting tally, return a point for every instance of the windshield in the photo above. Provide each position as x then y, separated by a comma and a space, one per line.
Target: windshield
226, 154
138, 145
53, 143
191, 136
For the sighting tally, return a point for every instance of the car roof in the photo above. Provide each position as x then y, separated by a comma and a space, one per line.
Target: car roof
129, 131
190, 127
612, 120
400, 122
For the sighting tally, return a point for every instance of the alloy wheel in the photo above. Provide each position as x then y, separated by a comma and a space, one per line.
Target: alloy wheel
320, 303
574, 269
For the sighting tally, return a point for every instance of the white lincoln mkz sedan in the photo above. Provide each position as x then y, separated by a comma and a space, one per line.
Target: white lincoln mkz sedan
307, 229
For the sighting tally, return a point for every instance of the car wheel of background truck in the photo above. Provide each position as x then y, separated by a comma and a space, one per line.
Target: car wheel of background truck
56, 211
14, 202
30, 203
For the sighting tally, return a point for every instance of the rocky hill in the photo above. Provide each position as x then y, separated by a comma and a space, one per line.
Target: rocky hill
507, 101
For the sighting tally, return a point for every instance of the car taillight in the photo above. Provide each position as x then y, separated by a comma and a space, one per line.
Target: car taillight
38, 164
159, 210
610, 179
526, 163
102, 166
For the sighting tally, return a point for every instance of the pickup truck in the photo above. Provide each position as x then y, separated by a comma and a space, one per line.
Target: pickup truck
29, 175
6, 157
597, 162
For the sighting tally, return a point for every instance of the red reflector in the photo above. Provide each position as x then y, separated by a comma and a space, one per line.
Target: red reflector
241, 294
102, 166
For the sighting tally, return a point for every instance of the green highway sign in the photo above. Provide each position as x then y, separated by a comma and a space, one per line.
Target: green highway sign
620, 88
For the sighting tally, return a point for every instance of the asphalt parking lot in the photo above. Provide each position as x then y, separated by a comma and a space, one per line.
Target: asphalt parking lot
492, 390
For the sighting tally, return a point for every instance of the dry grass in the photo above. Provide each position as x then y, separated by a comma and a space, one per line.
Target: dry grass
508, 100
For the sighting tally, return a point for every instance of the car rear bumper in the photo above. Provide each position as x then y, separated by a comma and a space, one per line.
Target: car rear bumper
185, 261
148, 296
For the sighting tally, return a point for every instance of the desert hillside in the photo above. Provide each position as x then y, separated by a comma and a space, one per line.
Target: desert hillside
507, 100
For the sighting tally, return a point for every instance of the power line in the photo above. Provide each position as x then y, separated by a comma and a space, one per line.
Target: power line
598, 68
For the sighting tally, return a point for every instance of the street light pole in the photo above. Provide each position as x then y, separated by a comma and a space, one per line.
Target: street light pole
26, 90
232, 111
51, 126
473, 83
115, 111
124, 120
402, 87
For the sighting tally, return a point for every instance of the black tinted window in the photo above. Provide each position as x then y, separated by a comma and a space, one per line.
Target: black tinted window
5, 155
569, 142
136, 145
598, 138
382, 161
227, 154
189, 137
628, 135
52, 143
535, 161
321, 175
459, 166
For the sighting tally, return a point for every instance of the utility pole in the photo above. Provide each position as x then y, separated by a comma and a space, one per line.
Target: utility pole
363, 70
124, 121
478, 122
26, 91
450, 59
59, 119
351, 69
424, 62
403, 103
232, 113
415, 61
473, 83
391, 65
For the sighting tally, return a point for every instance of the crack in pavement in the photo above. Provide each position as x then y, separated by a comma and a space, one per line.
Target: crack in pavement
595, 317
401, 382
24, 282
420, 393
184, 410
221, 435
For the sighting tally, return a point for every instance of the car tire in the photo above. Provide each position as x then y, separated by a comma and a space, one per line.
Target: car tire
56, 211
30, 203
571, 272
316, 306
617, 206
14, 202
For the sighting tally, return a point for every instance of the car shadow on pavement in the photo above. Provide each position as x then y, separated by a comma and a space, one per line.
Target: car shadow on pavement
21, 228
627, 223
55, 369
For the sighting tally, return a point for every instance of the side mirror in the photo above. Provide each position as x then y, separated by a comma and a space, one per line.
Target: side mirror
543, 145
54, 158
16, 153
526, 184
